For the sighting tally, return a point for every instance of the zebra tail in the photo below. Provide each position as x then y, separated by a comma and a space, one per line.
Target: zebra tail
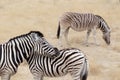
58, 31
84, 72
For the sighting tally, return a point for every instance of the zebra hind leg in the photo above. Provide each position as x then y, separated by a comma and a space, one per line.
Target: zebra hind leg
38, 77
66, 35
76, 76
63, 35
75, 72
5, 77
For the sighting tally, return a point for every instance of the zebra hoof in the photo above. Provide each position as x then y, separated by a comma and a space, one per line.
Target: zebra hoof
97, 44
86, 44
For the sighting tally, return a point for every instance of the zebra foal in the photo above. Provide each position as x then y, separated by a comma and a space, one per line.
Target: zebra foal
80, 22
13, 52
70, 60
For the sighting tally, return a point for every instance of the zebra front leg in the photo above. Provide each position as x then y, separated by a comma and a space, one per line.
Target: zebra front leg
5, 77
94, 36
87, 36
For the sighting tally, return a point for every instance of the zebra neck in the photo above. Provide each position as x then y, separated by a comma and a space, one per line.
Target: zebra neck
30, 59
103, 27
23, 49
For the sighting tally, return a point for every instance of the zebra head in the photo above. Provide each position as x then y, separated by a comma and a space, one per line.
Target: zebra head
106, 33
42, 46
106, 37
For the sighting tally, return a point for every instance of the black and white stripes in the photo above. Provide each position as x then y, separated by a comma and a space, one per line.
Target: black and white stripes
81, 22
19, 48
70, 60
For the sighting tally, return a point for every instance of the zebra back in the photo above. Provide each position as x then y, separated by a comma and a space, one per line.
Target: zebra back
78, 21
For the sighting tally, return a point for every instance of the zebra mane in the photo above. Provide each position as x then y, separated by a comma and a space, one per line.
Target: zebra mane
103, 20
36, 32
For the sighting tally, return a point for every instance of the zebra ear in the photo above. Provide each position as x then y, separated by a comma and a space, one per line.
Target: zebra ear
35, 36
57, 51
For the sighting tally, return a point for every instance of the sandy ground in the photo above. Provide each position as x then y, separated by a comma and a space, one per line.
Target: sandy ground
21, 16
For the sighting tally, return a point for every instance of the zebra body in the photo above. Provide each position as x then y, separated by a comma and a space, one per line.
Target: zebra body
19, 48
81, 22
71, 61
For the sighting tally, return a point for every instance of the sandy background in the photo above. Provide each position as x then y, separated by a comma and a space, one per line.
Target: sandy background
21, 16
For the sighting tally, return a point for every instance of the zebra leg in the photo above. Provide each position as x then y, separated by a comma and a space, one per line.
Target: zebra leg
5, 77
38, 77
60, 43
62, 36
75, 75
66, 35
87, 36
94, 36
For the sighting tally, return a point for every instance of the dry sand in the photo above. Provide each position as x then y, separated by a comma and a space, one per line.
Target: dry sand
21, 16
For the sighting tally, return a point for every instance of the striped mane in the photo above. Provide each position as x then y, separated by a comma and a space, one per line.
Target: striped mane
23, 35
37, 32
103, 20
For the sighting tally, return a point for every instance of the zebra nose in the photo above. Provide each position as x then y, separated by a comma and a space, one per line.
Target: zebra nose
108, 43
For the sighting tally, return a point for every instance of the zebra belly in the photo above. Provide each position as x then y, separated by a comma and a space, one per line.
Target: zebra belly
55, 75
81, 29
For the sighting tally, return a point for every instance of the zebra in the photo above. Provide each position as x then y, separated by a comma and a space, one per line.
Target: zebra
81, 22
69, 61
19, 48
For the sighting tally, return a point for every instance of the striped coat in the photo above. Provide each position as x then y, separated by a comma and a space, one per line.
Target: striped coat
82, 22
70, 60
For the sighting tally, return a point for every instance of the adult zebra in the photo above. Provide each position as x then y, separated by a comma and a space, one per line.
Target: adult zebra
70, 60
81, 22
19, 48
